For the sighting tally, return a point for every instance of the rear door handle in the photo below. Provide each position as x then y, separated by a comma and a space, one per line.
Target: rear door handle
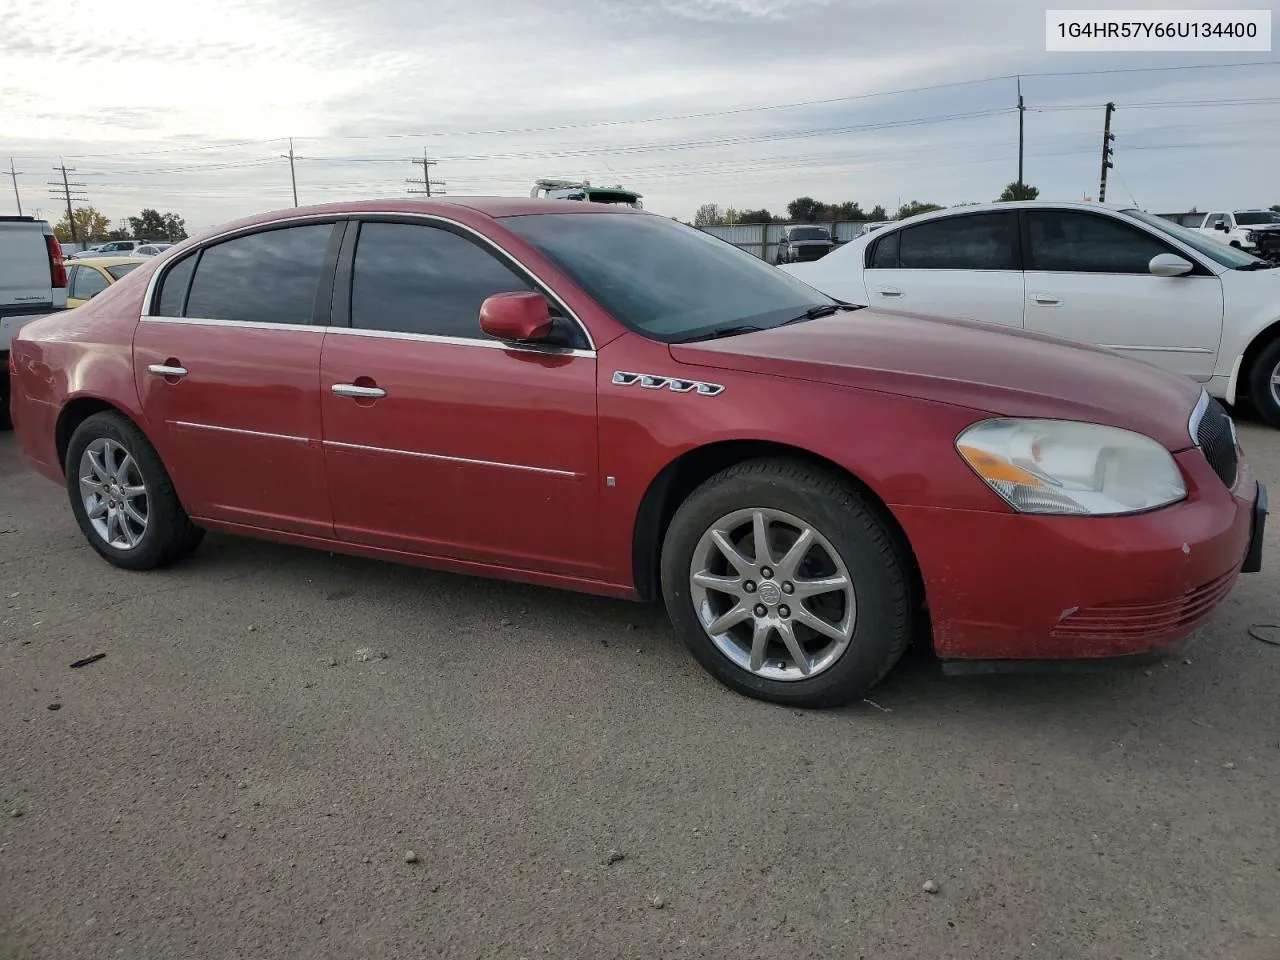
361, 393
1045, 300
164, 370
890, 292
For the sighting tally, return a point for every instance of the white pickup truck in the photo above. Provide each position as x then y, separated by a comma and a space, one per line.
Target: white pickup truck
1241, 228
33, 282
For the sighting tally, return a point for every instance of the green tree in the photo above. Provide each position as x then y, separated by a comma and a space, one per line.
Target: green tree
90, 225
805, 209
151, 224
755, 216
1275, 208
878, 213
707, 215
849, 210
1018, 191
914, 207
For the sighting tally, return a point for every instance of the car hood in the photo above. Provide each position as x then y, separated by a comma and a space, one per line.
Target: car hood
988, 369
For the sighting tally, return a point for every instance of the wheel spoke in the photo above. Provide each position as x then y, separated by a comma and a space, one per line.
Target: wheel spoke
89, 485
711, 581
113, 522
812, 588
108, 460
133, 492
736, 559
793, 646
760, 534
790, 564
817, 624
98, 466
132, 513
126, 465
759, 643
98, 510
726, 620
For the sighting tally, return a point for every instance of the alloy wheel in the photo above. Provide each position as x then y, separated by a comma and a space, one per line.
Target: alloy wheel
773, 594
114, 494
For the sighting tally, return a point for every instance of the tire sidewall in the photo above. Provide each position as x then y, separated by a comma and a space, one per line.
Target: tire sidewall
104, 425
1264, 368
879, 589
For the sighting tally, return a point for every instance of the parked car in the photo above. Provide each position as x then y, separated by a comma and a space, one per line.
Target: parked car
112, 248
803, 243
33, 281
1118, 278
1243, 229
90, 276
151, 249
601, 399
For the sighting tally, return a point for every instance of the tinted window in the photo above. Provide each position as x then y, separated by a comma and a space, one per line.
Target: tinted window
1215, 218
884, 255
662, 278
120, 269
87, 282
1067, 241
268, 277
809, 233
978, 242
416, 279
1253, 219
173, 288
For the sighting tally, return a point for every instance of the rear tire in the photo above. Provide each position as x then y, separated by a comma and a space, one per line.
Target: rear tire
1264, 383
843, 602
123, 498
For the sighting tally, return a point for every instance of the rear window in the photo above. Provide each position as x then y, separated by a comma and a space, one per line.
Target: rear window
977, 242
809, 233
268, 277
173, 289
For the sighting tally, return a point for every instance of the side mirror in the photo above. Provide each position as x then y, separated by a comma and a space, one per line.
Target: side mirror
521, 317
1220, 225
1170, 265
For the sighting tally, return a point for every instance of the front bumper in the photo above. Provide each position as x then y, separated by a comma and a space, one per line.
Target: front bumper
1013, 586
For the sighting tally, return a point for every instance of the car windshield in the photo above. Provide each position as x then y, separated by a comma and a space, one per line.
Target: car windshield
120, 269
809, 233
665, 280
1253, 219
1213, 249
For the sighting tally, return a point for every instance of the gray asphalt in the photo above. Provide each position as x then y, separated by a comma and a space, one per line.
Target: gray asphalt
234, 780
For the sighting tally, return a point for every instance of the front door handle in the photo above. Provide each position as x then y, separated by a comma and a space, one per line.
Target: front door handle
165, 370
890, 292
357, 391
1045, 300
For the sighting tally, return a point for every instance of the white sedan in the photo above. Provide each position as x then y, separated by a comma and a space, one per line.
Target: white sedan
1119, 278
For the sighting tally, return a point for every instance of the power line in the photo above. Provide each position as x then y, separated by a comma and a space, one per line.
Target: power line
426, 183
13, 175
65, 192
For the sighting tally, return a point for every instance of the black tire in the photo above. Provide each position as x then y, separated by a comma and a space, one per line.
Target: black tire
5, 422
1262, 391
169, 535
867, 544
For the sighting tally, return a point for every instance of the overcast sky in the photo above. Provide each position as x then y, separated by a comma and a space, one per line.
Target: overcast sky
186, 105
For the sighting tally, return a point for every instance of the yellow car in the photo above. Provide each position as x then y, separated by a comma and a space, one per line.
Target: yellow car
89, 276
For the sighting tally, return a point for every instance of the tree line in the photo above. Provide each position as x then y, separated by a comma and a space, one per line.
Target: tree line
809, 210
92, 226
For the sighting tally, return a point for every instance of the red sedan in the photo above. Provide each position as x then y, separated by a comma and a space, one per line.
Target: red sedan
605, 400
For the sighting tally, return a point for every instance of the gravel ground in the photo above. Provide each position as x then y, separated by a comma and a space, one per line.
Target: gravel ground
273, 731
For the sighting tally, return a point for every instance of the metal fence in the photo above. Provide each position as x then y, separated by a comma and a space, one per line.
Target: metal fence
762, 239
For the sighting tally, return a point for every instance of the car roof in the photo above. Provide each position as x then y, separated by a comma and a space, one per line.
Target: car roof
999, 205
107, 261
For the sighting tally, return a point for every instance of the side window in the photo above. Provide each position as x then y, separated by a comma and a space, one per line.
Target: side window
978, 242
173, 288
410, 278
1067, 241
884, 255
88, 283
268, 277
1213, 221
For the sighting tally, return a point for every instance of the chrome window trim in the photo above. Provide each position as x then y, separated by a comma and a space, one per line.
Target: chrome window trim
334, 217
448, 459
245, 324
237, 430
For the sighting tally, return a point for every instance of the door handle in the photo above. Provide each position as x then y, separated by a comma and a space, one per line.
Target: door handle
359, 392
164, 370
1045, 300
890, 292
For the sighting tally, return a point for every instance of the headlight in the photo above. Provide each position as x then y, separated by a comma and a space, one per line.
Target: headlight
1250, 236
1064, 467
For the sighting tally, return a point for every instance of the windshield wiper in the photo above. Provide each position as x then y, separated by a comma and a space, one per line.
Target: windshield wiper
729, 330
1259, 265
821, 310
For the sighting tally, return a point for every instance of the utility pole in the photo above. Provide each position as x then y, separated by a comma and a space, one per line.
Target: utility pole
13, 175
1022, 113
426, 183
293, 177
1107, 137
67, 187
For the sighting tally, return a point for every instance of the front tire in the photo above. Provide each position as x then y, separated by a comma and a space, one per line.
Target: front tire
815, 617
1264, 383
122, 496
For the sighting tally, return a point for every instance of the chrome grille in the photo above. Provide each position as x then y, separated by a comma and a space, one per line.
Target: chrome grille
1215, 435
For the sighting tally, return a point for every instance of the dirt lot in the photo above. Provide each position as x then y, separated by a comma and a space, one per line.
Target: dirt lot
234, 780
